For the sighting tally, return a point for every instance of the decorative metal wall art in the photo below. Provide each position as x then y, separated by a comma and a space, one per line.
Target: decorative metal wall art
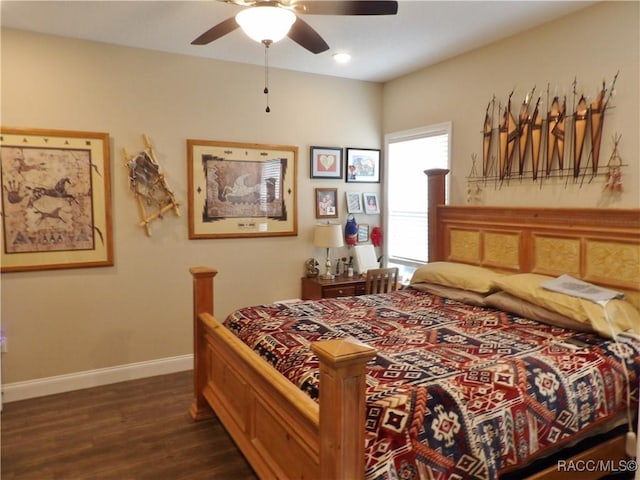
613, 182
542, 145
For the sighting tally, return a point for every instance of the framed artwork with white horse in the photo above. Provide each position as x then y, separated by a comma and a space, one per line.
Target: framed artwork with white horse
56, 201
241, 189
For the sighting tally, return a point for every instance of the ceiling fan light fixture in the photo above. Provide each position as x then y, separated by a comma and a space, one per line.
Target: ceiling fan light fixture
342, 57
266, 23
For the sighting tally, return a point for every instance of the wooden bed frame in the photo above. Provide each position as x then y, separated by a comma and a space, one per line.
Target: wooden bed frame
286, 435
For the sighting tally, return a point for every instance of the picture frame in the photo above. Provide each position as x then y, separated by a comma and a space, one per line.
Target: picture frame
363, 232
362, 165
326, 200
354, 202
238, 190
325, 162
56, 192
371, 203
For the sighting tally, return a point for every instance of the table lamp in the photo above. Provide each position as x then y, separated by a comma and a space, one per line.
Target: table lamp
328, 236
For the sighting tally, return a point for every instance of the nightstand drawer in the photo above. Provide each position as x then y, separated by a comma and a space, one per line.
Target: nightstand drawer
341, 291
316, 288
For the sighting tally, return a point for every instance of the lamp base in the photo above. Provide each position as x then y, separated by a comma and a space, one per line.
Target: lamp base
327, 275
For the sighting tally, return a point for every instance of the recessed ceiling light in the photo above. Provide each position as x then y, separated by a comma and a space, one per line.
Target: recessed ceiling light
341, 57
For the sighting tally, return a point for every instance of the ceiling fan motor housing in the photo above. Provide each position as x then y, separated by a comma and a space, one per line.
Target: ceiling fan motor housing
266, 23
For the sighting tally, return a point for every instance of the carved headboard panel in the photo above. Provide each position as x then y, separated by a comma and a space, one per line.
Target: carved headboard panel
601, 246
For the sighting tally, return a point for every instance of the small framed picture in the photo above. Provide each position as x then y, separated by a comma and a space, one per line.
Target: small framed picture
363, 165
363, 233
371, 204
354, 202
326, 202
326, 162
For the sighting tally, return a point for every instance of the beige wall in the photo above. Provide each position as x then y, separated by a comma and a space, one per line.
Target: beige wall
67, 321
591, 46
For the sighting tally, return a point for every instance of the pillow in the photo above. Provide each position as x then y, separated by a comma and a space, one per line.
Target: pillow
457, 294
508, 303
458, 275
622, 315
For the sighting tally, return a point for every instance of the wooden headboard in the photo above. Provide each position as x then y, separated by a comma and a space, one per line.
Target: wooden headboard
597, 245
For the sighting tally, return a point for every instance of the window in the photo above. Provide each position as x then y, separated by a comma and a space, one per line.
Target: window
409, 154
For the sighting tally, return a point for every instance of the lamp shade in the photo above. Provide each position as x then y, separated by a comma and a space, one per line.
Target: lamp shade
266, 23
328, 236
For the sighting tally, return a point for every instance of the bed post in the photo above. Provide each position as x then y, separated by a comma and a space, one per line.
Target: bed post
436, 191
202, 303
342, 402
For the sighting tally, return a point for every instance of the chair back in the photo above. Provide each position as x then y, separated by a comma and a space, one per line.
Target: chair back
381, 280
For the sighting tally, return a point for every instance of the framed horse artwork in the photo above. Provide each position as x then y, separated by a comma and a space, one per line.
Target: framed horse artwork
241, 189
56, 199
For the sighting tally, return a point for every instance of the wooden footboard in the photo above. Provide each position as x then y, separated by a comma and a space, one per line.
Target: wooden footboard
280, 430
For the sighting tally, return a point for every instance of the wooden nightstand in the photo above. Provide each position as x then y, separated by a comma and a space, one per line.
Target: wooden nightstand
342, 286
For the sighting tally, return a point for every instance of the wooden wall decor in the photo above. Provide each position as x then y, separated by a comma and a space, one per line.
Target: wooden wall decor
149, 186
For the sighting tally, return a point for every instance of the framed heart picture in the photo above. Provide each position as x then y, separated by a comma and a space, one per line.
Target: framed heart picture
326, 162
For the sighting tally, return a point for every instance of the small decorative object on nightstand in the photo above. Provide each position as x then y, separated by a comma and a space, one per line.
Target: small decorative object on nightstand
311, 266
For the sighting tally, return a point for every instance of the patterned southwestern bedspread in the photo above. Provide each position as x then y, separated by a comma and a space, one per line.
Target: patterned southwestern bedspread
455, 391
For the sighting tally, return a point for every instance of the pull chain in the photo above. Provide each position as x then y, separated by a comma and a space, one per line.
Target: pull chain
266, 72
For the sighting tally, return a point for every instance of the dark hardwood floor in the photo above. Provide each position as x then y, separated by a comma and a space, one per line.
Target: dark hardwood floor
139, 429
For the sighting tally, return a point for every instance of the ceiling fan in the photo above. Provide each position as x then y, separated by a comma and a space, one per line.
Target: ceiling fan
265, 15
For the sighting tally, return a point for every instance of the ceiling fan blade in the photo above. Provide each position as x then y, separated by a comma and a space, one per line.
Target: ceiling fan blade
364, 7
305, 36
214, 33
240, 3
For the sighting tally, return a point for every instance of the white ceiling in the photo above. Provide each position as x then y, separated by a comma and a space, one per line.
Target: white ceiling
382, 47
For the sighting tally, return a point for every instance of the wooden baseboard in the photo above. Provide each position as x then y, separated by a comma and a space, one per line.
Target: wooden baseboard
12, 392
